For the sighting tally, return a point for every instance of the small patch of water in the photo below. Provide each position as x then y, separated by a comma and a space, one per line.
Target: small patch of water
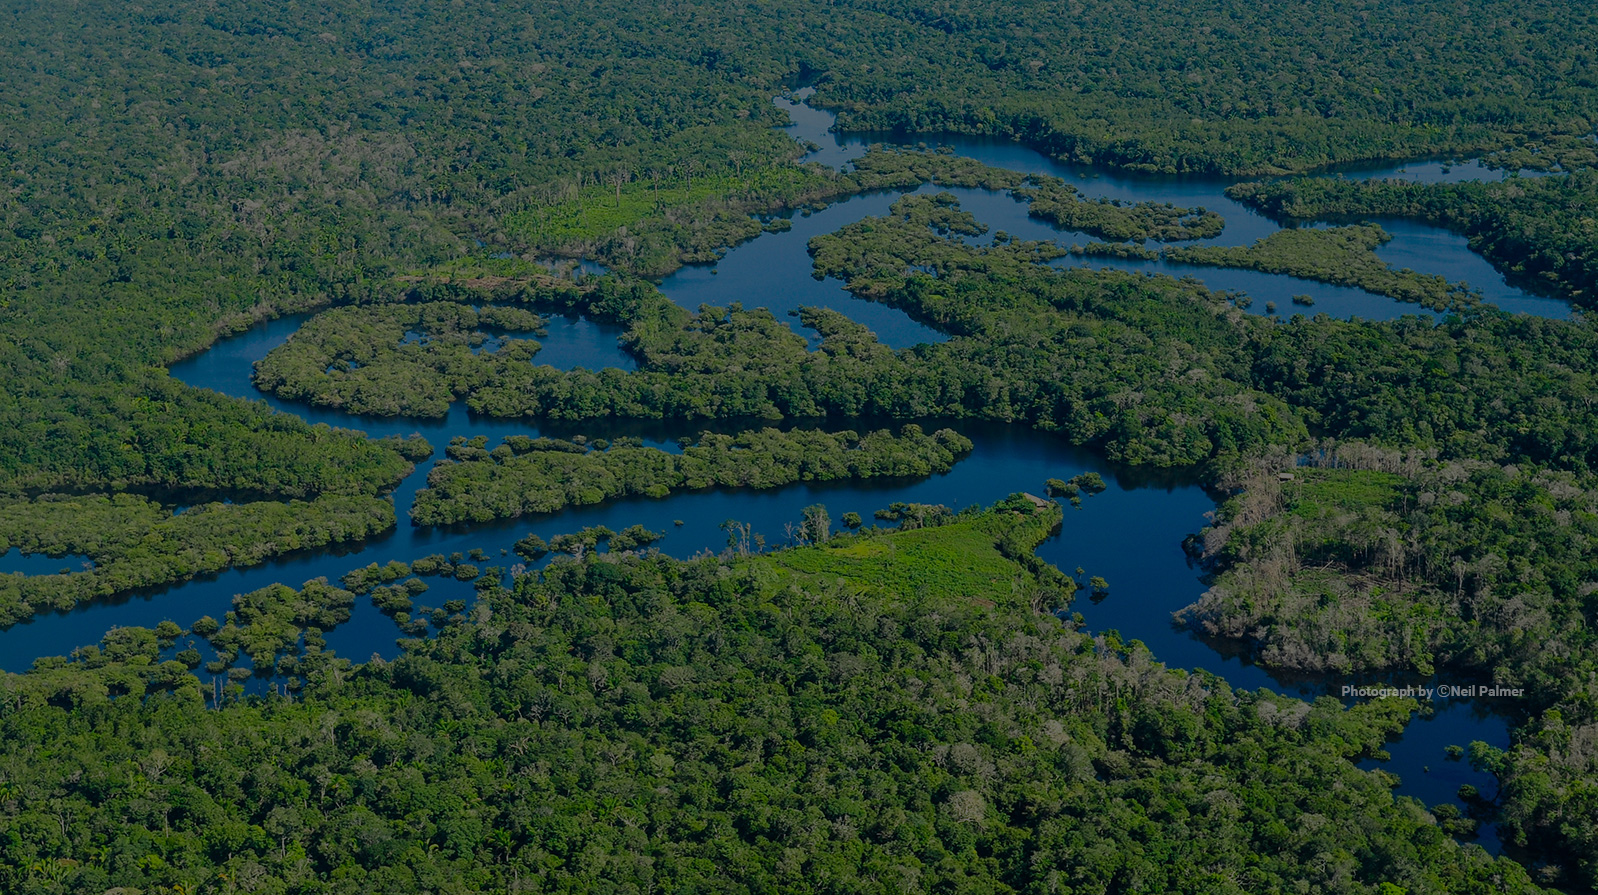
15, 562
1420, 759
577, 342
1431, 250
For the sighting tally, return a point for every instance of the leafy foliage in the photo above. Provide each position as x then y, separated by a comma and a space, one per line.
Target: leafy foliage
1344, 256
1233, 86
1084, 352
177, 171
1538, 229
402, 359
1374, 560
1546, 799
526, 476
1357, 568
804, 720
133, 542
1049, 198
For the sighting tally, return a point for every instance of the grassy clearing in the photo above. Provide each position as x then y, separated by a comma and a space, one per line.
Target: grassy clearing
598, 211
1320, 490
948, 564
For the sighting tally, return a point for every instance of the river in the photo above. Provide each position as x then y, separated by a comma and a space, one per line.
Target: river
1427, 250
1131, 534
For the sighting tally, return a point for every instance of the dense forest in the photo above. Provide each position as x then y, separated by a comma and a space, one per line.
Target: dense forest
1086, 353
879, 712
1377, 560
1478, 385
1539, 229
369, 354
732, 363
131, 542
1231, 86
543, 475
1374, 560
230, 165
1345, 256
873, 712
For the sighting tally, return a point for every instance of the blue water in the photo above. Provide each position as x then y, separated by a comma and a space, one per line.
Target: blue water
1431, 171
1419, 760
228, 365
774, 272
1005, 460
814, 126
14, 561
1131, 534
573, 342
1421, 248
570, 343
1431, 250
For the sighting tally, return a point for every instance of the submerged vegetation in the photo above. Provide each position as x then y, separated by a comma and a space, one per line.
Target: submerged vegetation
663, 221
131, 542
394, 360
1048, 198
1379, 562
1482, 385
877, 711
1061, 205
876, 707
1150, 370
1372, 560
1081, 352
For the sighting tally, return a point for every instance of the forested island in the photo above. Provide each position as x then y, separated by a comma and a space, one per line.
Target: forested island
1538, 228
530, 475
1341, 255
902, 701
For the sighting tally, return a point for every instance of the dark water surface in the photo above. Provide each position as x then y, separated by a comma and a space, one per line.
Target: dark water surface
228, 365
773, 271
1424, 249
1131, 534
14, 562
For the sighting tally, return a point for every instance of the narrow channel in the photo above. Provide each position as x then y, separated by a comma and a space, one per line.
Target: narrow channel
1131, 534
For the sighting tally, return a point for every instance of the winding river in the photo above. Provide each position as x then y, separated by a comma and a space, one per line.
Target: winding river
1131, 534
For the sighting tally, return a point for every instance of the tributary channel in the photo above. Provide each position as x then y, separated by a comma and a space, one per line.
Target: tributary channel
1131, 534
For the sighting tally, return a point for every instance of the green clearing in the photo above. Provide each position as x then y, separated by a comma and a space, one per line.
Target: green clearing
950, 564
743, 724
